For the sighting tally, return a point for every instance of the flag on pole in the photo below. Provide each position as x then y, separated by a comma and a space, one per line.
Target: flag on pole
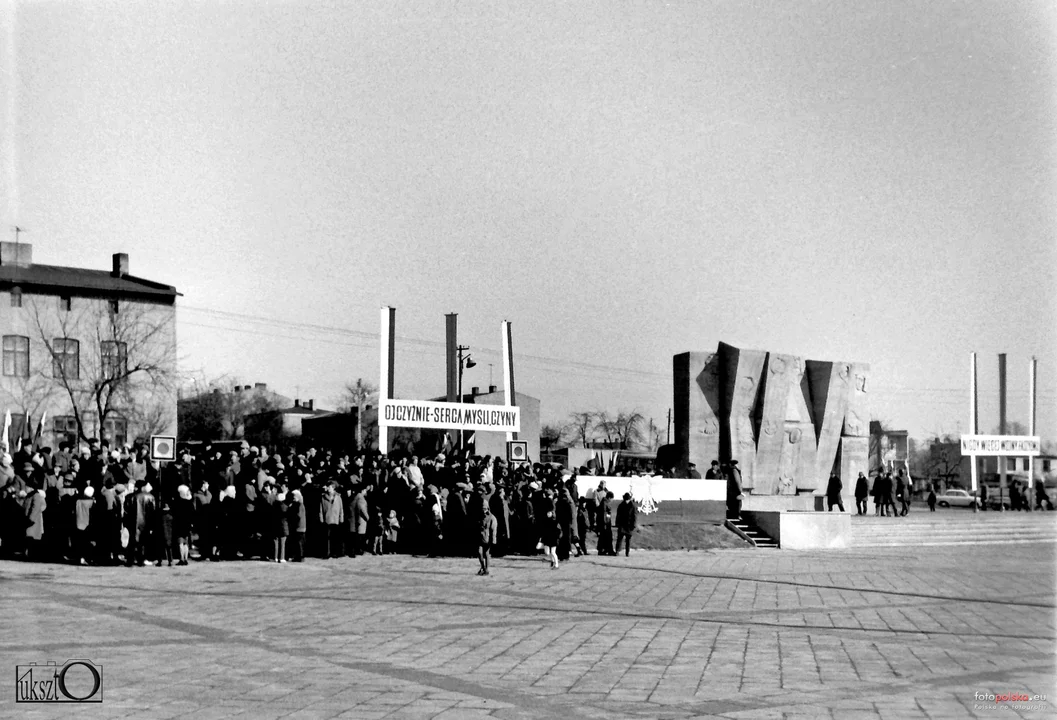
40, 427
7, 431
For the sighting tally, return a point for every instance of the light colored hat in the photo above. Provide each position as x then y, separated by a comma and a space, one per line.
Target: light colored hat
89, 491
281, 497
147, 487
184, 492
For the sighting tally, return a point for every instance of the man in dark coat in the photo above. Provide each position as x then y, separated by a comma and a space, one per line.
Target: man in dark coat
627, 517
862, 491
360, 519
734, 490
498, 507
565, 512
140, 519
35, 504
455, 523
833, 488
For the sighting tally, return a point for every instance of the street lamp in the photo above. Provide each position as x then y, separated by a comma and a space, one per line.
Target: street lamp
465, 362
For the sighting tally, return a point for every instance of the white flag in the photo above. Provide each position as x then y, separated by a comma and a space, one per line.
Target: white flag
7, 431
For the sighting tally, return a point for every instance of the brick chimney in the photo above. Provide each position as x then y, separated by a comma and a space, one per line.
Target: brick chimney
311, 404
492, 388
297, 402
475, 391
16, 254
120, 265
260, 386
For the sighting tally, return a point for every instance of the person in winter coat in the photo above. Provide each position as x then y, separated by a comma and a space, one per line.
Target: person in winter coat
605, 525
497, 506
550, 534
34, 504
862, 492
280, 521
376, 533
582, 524
82, 523
298, 525
183, 516
833, 489
626, 522
565, 513
107, 523
205, 521
332, 516
392, 531
486, 538
139, 519
361, 519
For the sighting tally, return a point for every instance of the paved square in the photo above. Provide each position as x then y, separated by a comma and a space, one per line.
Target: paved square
864, 633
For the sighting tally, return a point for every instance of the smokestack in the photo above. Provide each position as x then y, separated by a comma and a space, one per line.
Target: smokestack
120, 265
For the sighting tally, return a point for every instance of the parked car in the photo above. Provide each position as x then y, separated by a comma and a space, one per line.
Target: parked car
956, 498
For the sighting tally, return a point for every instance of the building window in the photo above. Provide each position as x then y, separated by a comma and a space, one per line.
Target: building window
113, 307
1045, 465
16, 297
65, 303
65, 428
66, 358
16, 356
115, 359
116, 431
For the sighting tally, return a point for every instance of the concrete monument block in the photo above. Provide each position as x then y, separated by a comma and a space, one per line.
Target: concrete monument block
697, 408
741, 372
781, 371
830, 389
854, 458
857, 419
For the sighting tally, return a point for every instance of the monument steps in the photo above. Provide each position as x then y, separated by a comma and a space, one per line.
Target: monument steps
750, 532
962, 529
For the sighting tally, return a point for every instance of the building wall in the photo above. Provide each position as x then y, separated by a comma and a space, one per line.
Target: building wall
147, 328
494, 443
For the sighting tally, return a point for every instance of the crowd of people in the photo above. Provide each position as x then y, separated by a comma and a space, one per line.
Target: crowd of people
96, 505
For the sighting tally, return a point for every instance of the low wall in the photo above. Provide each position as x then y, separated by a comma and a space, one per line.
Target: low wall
661, 489
778, 503
803, 530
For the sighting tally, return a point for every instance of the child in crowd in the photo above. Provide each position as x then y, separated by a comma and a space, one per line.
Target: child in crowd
392, 531
182, 515
376, 531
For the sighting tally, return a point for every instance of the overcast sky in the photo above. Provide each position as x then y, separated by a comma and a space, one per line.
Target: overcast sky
858, 181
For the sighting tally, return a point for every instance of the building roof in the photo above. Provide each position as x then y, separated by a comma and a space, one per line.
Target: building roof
80, 281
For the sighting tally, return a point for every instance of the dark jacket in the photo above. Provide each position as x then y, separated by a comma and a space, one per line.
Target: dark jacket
862, 488
139, 514
627, 515
34, 505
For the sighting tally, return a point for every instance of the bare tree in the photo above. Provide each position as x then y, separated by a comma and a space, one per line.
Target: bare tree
551, 435
106, 355
627, 427
581, 424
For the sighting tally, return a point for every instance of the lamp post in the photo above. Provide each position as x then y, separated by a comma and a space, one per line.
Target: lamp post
465, 362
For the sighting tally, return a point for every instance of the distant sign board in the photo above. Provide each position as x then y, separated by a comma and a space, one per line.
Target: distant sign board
162, 447
444, 415
998, 445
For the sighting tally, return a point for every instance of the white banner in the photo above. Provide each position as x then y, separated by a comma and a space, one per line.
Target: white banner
460, 416
1007, 445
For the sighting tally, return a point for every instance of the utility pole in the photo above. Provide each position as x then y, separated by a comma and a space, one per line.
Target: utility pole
668, 439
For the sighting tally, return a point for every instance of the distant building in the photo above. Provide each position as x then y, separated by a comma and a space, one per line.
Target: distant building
70, 332
281, 426
220, 414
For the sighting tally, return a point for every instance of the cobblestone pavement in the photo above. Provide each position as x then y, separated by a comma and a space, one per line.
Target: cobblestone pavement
750, 634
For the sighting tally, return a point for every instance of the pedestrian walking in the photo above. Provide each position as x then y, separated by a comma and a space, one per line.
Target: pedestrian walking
833, 488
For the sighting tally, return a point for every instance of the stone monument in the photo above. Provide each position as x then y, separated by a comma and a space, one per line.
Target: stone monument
789, 422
